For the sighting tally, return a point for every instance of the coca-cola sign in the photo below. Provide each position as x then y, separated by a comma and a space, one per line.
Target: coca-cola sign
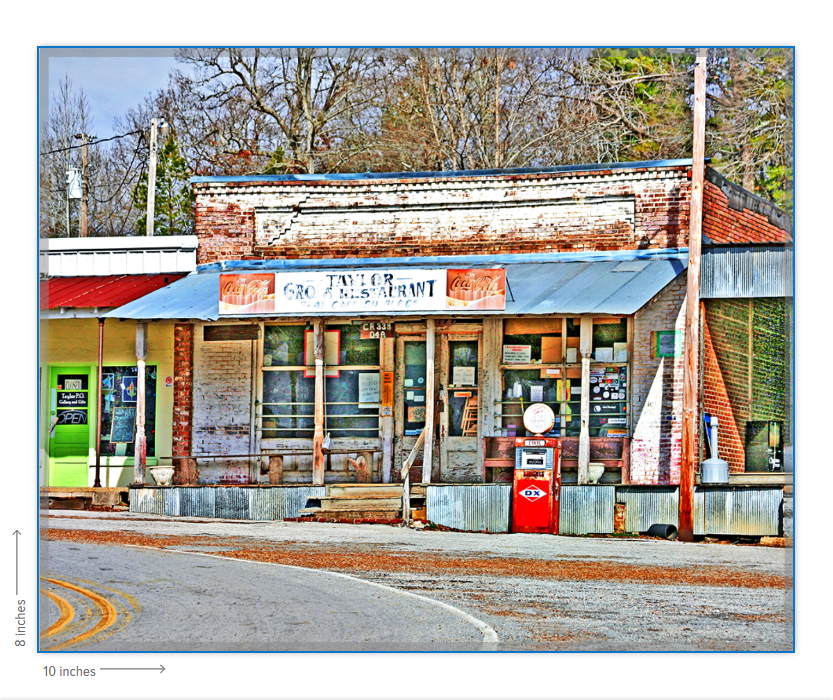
247, 294
476, 289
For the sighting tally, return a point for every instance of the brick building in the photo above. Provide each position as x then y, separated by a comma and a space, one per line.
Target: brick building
334, 318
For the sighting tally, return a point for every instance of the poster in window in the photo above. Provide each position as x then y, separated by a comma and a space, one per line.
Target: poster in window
129, 388
108, 381
463, 376
517, 354
369, 390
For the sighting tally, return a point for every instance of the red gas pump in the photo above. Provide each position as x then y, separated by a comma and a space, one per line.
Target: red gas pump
536, 488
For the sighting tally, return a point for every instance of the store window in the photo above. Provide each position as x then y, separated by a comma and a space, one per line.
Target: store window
542, 364
288, 409
352, 388
415, 384
119, 393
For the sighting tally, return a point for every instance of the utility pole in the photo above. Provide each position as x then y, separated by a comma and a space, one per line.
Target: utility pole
691, 408
83, 138
152, 176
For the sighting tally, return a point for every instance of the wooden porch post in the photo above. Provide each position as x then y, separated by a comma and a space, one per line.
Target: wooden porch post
140, 453
585, 347
430, 402
318, 435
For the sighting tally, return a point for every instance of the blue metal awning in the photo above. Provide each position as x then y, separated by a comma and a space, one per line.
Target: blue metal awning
615, 282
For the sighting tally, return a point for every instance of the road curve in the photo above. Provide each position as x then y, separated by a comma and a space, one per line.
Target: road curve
197, 601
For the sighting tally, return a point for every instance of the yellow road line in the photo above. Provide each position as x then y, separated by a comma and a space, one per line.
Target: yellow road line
108, 614
137, 606
67, 613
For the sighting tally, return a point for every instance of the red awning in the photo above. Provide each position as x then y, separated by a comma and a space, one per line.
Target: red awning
99, 292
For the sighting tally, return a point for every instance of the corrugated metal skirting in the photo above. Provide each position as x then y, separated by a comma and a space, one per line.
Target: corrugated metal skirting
473, 508
586, 509
717, 510
228, 503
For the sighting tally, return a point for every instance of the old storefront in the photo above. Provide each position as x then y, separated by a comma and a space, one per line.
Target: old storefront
334, 318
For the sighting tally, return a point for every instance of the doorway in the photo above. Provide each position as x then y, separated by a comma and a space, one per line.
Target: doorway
460, 375
72, 419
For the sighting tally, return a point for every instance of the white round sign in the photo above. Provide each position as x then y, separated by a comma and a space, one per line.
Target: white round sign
539, 418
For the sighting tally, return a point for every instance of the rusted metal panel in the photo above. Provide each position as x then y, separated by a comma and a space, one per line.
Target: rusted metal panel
748, 511
586, 509
746, 272
147, 501
197, 501
471, 507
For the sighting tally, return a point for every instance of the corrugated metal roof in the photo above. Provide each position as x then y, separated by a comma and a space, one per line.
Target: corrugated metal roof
97, 292
618, 286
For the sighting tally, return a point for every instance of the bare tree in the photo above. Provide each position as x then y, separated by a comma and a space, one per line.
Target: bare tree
308, 95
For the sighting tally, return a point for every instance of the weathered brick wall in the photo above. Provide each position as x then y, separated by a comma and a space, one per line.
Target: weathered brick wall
657, 391
744, 369
183, 387
620, 209
222, 407
732, 215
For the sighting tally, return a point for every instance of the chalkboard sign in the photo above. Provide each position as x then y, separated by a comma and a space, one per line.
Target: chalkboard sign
124, 419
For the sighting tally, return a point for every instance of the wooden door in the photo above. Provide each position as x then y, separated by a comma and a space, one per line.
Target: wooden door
460, 422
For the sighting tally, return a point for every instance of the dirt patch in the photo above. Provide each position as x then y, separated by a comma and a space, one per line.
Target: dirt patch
351, 559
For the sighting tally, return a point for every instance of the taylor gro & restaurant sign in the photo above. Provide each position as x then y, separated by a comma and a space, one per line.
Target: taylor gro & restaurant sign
361, 292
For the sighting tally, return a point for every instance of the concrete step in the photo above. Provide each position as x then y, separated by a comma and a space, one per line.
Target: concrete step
364, 491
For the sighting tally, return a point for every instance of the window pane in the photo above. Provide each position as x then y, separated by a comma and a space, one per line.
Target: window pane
354, 349
118, 390
288, 404
283, 346
344, 415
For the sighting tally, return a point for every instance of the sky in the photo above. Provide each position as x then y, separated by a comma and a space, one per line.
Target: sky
114, 80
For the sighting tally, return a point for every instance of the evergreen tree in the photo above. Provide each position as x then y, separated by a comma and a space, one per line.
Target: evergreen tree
173, 206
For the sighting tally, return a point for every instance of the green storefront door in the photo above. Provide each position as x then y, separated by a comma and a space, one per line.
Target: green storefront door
72, 402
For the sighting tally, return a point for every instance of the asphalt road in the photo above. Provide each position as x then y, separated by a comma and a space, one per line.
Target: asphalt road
104, 598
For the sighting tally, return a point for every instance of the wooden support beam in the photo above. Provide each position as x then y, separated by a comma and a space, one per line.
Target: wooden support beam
585, 347
318, 436
430, 401
691, 411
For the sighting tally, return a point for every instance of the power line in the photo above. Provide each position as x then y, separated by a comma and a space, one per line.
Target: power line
93, 143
